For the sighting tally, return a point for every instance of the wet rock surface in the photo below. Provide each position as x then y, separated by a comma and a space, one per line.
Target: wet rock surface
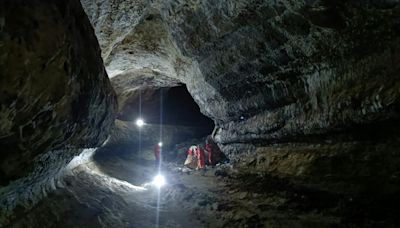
54, 90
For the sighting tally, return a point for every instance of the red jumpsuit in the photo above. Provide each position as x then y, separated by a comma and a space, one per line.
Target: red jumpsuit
157, 151
201, 163
190, 152
210, 151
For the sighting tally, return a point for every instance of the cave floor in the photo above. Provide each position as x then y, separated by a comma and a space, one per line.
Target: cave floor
114, 191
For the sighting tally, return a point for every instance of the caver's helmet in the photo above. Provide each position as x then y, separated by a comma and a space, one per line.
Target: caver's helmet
193, 148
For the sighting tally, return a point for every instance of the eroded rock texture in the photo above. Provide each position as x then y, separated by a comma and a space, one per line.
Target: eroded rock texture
54, 90
301, 68
137, 48
318, 76
308, 72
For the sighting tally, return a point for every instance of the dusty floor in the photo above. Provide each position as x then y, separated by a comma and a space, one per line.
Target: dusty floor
107, 191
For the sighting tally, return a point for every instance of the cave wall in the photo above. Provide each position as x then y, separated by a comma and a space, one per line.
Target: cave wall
301, 68
55, 96
55, 92
304, 89
322, 76
139, 52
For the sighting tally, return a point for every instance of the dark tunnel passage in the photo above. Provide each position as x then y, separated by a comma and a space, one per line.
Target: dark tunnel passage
170, 115
170, 106
179, 108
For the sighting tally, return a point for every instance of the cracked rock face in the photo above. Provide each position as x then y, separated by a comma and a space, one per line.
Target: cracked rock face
54, 90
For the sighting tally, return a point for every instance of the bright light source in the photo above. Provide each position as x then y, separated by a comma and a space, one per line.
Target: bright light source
139, 122
159, 181
160, 144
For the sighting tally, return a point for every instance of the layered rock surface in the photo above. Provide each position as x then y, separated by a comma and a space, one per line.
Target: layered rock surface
54, 89
307, 73
268, 72
301, 68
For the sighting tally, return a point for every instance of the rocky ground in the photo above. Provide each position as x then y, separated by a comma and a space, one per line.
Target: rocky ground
111, 188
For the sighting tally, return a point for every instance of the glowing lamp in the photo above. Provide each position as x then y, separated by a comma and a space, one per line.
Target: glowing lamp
159, 181
139, 122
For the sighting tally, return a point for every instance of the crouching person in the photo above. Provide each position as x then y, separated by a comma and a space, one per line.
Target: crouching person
191, 159
214, 153
196, 158
201, 158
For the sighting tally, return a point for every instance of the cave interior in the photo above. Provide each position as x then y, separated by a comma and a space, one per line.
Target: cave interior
296, 105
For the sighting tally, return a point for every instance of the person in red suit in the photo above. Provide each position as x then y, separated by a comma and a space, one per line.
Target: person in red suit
191, 159
210, 151
192, 150
157, 153
201, 160
214, 153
